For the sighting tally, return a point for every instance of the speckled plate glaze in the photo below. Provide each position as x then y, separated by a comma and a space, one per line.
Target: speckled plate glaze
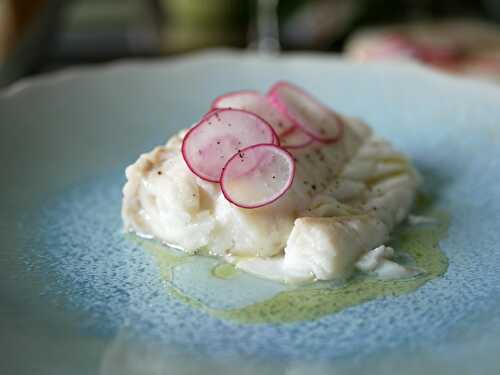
77, 297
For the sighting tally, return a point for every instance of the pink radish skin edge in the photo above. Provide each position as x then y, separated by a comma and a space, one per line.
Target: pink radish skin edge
275, 138
215, 106
274, 199
301, 145
215, 103
282, 107
288, 131
203, 118
183, 150
297, 146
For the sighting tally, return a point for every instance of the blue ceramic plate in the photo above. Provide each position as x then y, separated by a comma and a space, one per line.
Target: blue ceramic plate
77, 297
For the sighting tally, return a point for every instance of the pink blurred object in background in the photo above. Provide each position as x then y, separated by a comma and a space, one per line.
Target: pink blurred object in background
463, 47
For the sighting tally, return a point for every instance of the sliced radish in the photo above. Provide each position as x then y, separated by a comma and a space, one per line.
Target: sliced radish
219, 135
289, 131
315, 119
257, 103
295, 138
235, 99
257, 175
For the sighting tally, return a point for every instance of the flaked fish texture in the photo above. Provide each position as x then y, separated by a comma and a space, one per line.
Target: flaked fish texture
345, 200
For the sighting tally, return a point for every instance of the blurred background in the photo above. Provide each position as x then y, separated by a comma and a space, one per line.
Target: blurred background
458, 36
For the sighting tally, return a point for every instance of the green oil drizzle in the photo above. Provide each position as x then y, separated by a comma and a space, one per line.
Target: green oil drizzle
421, 242
166, 258
224, 271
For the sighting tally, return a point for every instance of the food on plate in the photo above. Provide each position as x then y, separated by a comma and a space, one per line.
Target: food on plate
277, 184
464, 47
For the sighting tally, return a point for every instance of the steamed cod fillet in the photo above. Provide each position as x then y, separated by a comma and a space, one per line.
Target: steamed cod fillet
345, 199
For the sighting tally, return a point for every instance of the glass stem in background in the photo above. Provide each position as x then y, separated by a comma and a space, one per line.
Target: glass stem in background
267, 26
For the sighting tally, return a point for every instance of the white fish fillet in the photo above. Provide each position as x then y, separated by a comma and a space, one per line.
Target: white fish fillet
345, 200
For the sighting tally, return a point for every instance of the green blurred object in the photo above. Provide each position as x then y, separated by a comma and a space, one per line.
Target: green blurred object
194, 24
179, 39
210, 13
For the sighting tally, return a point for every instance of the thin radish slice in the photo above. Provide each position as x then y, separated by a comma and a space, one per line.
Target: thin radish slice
295, 138
257, 176
219, 135
289, 131
276, 139
257, 103
315, 119
235, 99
